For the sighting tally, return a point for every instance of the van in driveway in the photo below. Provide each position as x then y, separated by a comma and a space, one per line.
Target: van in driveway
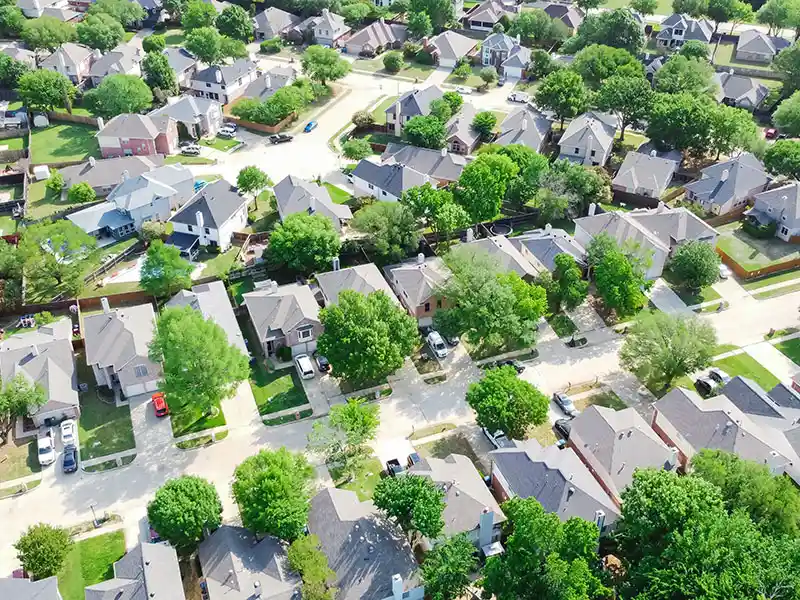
305, 368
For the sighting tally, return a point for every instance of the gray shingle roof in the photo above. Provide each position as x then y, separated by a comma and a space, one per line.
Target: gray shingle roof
506, 254
188, 109
228, 73
98, 217
753, 40
363, 548
25, 589
693, 29
276, 313
332, 22
416, 102
526, 126
569, 14
489, 11
501, 42
295, 195
136, 192
379, 33
273, 21
73, 54
745, 91
451, 45
392, 178
120, 60
439, 164
601, 127
179, 59
131, 126
211, 299
270, 82
518, 58
459, 127
781, 204
644, 171
417, 282
730, 180
541, 246
363, 279
103, 173
217, 202
147, 571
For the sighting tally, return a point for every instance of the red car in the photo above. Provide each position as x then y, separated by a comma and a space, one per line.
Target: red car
160, 404
771, 133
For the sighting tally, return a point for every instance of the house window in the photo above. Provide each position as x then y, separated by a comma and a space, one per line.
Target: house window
189, 227
140, 371
383, 192
304, 333
208, 85
593, 152
208, 231
679, 32
577, 150
427, 307
783, 218
784, 231
370, 186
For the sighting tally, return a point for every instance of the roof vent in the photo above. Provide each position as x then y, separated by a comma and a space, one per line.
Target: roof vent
725, 174
653, 153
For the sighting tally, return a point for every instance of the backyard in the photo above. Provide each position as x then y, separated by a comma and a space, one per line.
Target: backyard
725, 56
90, 561
750, 253
276, 390
63, 142
410, 70
218, 263
174, 37
265, 216
43, 202
103, 428
363, 484
338, 195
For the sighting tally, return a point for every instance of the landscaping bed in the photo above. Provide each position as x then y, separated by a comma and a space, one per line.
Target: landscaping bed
221, 144
482, 351
435, 379
288, 418
90, 561
365, 481
424, 361
276, 390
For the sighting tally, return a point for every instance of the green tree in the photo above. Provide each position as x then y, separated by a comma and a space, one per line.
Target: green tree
484, 123
695, 264
355, 14
742, 13
252, 180
391, 230
629, 98
164, 272
483, 184
587, 4
81, 192
356, 149
153, 230
363, 119
175, 8
393, 61
787, 116
12, 21
449, 217
617, 28
419, 25
563, 93
775, 14
324, 64
447, 567
441, 12
721, 11
440, 108
619, 284
415, 502
786, 64
645, 7
127, 12
303, 243
455, 100
273, 491
694, 50
681, 75
119, 94
532, 166
552, 205
462, 71
11, 70
197, 15
19, 396
235, 23
425, 200
47, 33
100, 31
154, 42
693, 8
488, 75
425, 132
783, 158
42, 550
596, 63
55, 183
541, 64
570, 287
536, 28
681, 121
306, 557
183, 510
661, 347
158, 74
45, 90
366, 338
501, 400
211, 47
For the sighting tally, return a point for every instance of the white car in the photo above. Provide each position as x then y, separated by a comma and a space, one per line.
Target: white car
521, 97
227, 132
46, 449
68, 433
461, 89
724, 271
436, 344
305, 367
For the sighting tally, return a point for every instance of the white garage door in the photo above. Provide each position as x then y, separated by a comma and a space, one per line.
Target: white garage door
151, 386
134, 390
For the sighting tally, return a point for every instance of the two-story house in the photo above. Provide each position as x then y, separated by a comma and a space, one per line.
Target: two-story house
141, 135
780, 206
385, 182
506, 54
413, 103
678, 29
105, 175
33, 9
296, 195
224, 83
183, 63
416, 283
728, 186
209, 219
284, 316
73, 61
273, 22
122, 60
363, 279
330, 29
460, 136
589, 139
198, 116
484, 16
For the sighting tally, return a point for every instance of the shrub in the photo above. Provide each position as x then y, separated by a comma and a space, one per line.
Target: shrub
410, 49
356, 149
272, 46
284, 354
154, 43
55, 183
462, 71
44, 318
423, 58
393, 62
363, 119
757, 230
81, 193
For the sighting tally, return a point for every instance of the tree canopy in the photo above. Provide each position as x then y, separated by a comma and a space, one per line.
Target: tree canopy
682, 75
127, 12
415, 502
306, 557
100, 31
619, 283
119, 94
303, 243
164, 271
19, 396
425, 131
183, 510
483, 184
211, 47
236, 23
695, 264
45, 90
783, 158
787, 115
391, 230
564, 93
324, 64
629, 98
158, 74
447, 567
47, 33
617, 28
42, 550
596, 63
198, 14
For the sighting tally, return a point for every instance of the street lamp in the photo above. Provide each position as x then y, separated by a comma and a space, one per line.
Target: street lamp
94, 517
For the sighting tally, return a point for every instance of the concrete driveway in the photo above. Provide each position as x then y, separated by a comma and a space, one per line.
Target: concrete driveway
666, 300
152, 434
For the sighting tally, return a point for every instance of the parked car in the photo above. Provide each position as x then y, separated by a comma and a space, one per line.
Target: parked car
453, 340
705, 385
310, 126
46, 448
185, 143
394, 468
160, 406
566, 404
413, 459
226, 133
68, 437
322, 364
718, 376
280, 138
724, 271
520, 97
304, 366
230, 125
462, 89
191, 150
771, 133
563, 428
510, 362
501, 81
436, 344
69, 459
498, 439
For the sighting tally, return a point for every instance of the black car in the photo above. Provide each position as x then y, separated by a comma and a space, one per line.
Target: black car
70, 459
518, 366
394, 468
322, 364
562, 427
280, 138
230, 125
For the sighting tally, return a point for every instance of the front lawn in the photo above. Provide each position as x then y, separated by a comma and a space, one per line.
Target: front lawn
187, 160
338, 195
18, 459
745, 365
63, 142
562, 325
90, 561
189, 418
690, 297
473, 81
218, 263
410, 70
174, 37
221, 144
791, 348
276, 390
103, 428
483, 350
772, 279
365, 481
379, 112
606, 398
781, 291
444, 447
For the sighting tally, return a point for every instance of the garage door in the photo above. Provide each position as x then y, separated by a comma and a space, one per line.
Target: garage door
151, 386
134, 390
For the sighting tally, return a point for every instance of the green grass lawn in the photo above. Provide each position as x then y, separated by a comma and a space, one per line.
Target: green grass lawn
43, 202
8, 225
562, 325
725, 56
128, 36
338, 195
690, 297
751, 253
265, 216
103, 428
221, 144
444, 447
791, 348
187, 160
772, 280
782, 291
90, 561
410, 70
745, 365
276, 390
241, 286
619, 207
365, 481
10, 192
63, 142
174, 37
18, 459
607, 399
14, 143
723, 348
188, 418
218, 263
379, 114
472, 81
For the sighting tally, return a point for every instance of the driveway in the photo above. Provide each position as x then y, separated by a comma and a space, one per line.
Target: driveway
152, 434
666, 300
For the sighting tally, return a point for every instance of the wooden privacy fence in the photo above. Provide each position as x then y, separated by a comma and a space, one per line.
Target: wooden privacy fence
743, 273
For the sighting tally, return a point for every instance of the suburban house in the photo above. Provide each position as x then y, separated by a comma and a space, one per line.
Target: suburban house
505, 254
556, 478
150, 196
469, 506
385, 182
224, 83
153, 10
17, 52
740, 91
449, 47
22, 588
211, 300
197, 116
569, 14
460, 136
286, 315
116, 344
73, 61
652, 65
209, 219
326, 29
658, 231
756, 46
146, 571
141, 135
370, 556
363, 279
678, 29
272, 22
614, 443
728, 186
541, 246
440, 165
296, 195
33, 9
270, 82
487, 14
375, 38
414, 103
526, 126
505, 54
122, 60
44, 357
415, 282
238, 566
105, 175
781, 206
589, 139
645, 175
183, 63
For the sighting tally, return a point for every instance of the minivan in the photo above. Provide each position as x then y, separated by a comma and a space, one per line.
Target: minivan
304, 366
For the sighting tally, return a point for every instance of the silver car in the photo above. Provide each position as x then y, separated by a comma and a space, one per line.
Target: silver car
566, 404
436, 344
